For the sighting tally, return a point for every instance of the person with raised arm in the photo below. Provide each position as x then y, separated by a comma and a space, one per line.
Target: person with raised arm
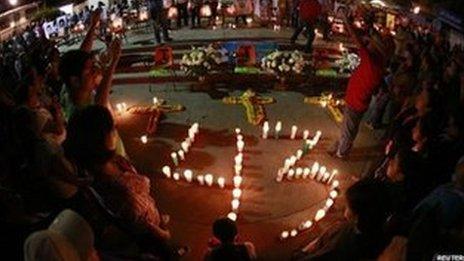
361, 86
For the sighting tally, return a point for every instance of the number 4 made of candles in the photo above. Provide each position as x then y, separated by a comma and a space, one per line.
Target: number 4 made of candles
316, 172
155, 111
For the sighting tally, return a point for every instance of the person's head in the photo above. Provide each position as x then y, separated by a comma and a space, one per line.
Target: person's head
30, 87
402, 165
69, 237
91, 136
78, 71
225, 230
367, 204
455, 128
428, 100
425, 129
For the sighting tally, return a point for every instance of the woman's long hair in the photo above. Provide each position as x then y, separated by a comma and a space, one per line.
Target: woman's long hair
87, 133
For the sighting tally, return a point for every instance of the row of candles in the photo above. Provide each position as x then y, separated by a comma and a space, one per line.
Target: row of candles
186, 144
294, 131
237, 179
320, 214
316, 172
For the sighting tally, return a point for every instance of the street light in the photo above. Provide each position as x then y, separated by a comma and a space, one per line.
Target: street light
13, 2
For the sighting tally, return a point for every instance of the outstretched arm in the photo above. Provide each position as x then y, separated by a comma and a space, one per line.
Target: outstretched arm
102, 96
87, 44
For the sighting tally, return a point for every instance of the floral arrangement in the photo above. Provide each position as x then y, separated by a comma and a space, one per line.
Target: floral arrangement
284, 63
200, 60
348, 63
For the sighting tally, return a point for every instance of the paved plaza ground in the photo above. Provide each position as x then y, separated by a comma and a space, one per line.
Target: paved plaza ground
267, 207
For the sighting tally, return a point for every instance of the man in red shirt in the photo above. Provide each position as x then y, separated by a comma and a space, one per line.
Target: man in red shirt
362, 84
309, 10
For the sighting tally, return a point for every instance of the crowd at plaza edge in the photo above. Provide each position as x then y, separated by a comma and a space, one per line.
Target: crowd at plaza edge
68, 189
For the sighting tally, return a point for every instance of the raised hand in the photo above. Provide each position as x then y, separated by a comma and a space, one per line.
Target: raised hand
95, 17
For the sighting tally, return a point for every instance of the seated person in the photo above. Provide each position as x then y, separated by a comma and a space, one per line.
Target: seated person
91, 145
438, 221
362, 237
225, 246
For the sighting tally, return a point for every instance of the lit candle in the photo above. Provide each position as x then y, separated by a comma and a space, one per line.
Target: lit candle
232, 216
240, 145
317, 137
155, 101
265, 129
221, 182
237, 181
293, 233
167, 171
287, 163
319, 215
328, 203
174, 159
181, 154
314, 169
236, 193
201, 179
196, 127
305, 134
238, 170
332, 176
326, 176
290, 174
238, 131
292, 161
299, 154
188, 175
298, 173
191, 135
144, 139
322, 171
209, 179
284, 235
185, 146
278, 128
333, 194
306, 172
238, 159
280, 175
307, 224
176, 176
235, 204
294, 131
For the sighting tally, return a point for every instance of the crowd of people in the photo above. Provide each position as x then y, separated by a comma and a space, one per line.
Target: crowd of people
68, 190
